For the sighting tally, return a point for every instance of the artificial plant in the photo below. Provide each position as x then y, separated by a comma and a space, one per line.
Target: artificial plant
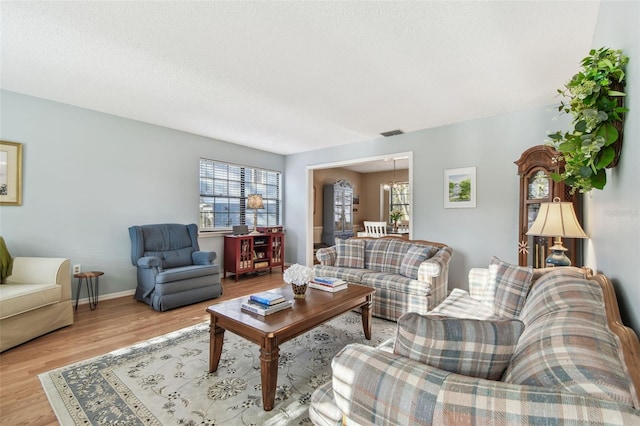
594, 97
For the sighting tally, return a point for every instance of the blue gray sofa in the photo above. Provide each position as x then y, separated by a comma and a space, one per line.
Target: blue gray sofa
172, 271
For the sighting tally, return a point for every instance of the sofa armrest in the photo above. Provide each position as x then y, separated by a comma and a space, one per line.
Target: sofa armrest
436, 265
149, 262
372, 386
435, 271
203, 257
327, 256
42, 270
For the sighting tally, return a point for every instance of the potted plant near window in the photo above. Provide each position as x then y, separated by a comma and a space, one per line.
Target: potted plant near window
394, 216
596, 102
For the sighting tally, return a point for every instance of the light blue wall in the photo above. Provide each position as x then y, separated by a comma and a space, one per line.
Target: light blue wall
613, 215
88, 176
491, 145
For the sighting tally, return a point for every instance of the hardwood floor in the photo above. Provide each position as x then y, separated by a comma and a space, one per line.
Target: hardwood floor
114, 324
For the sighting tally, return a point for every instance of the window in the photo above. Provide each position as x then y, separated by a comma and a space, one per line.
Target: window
224, 189
399, 198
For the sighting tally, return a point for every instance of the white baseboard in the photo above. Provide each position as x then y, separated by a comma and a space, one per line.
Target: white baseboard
107, 296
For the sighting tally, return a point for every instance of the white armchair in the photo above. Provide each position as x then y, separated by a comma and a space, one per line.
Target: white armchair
35, 299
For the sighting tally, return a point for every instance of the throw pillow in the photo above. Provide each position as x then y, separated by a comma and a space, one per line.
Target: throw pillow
481, 287
6, 261
412, 260
512, 285
474, 348
350, 253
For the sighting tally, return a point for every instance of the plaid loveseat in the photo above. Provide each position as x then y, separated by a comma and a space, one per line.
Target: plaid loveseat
409, 276
573, 364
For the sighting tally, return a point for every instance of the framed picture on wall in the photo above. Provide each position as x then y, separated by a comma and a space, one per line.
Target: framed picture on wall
460, 188
10, 173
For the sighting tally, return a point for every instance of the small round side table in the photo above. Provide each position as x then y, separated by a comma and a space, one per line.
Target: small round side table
91, 278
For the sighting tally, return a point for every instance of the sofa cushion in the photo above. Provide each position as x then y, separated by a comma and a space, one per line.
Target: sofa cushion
187, 273
350, 253
386, 254
567, 343
171, 242
396, 283
412, 260
19, 298
396, 295
459, 304
173, 258
376, 254
546, 297
512, 285
352, 275
465, 346
395, 255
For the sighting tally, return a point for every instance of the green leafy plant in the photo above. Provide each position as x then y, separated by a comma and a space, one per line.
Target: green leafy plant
592, 98
395, 215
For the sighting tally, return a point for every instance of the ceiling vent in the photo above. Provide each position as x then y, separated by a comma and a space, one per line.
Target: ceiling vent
392, 133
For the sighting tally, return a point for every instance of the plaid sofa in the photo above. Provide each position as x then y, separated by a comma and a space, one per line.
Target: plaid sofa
409, 276
573, 364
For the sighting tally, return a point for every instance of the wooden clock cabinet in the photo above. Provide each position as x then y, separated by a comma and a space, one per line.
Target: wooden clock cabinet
536, 186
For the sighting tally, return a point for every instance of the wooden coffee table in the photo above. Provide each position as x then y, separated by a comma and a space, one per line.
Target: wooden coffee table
272, 330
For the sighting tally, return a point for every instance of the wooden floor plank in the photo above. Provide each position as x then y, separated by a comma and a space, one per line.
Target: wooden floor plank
114, 324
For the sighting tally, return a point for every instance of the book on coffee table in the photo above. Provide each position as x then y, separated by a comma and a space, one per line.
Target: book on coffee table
329, 281
267, 298
329, 288
261, 309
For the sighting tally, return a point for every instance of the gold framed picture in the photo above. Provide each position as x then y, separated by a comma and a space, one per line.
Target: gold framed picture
10, 173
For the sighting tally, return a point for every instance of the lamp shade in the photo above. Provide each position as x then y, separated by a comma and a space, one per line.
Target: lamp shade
254, 201
557, 219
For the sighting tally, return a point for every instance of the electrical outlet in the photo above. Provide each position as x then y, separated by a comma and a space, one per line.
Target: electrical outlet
77, 269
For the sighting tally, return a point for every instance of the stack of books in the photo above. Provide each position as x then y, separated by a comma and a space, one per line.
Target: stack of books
265, 303
328, 284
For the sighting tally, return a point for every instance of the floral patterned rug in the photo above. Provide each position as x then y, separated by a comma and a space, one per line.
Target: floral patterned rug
164, 381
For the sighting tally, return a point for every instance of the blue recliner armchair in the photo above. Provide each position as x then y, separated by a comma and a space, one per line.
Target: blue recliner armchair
172, 271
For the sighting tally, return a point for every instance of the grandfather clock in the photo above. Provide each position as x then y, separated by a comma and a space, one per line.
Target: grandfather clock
536, 186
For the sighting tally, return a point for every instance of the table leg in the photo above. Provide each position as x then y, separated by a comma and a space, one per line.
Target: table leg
92, 290
269, 354
216, 339
78, 292
366, 317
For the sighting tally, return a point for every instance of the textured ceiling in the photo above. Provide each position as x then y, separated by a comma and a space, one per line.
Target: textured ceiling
289, 77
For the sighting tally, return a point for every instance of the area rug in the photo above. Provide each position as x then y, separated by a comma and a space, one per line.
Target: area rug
164, 381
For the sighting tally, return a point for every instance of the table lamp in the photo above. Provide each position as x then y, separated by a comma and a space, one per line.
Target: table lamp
557, 219
254, 201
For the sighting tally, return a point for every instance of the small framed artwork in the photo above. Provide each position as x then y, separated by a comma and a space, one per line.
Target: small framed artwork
460, 188
10, 173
